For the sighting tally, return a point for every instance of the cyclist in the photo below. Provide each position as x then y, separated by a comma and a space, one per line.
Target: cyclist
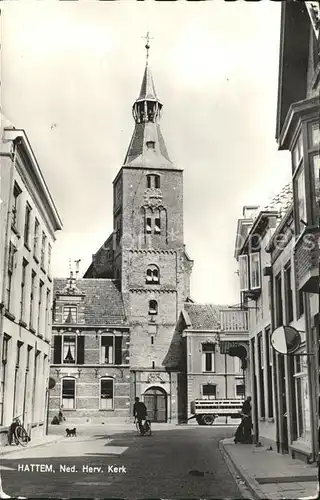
139, 412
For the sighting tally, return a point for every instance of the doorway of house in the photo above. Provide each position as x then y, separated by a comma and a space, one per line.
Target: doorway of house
155, 399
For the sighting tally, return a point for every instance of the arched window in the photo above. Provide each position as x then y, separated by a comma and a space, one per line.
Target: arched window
153, 181
153, 307
153, 275
106, 393
68, 393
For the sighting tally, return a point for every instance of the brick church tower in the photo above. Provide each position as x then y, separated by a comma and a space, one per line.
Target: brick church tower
149, 257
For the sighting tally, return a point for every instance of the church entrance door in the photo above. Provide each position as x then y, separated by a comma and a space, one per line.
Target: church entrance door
155, 400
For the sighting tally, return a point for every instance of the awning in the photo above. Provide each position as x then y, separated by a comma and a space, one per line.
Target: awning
225, 345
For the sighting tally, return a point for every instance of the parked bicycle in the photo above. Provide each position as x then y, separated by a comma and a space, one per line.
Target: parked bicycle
18, 432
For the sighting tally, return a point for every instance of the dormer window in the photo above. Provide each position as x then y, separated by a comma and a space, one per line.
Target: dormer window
70, 314
153, 275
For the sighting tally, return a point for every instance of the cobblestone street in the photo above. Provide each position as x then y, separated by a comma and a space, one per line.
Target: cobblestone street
175, 462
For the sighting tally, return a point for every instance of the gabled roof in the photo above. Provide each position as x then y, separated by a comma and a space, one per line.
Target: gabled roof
139, 155
203, 316
102, 301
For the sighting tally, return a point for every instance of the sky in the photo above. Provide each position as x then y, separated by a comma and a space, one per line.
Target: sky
70, 74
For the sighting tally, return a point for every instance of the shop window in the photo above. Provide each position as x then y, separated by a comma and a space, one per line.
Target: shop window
106, 394
68, 396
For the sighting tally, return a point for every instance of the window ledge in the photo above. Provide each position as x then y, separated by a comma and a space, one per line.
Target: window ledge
36, 259
49, 278
32, 330
27, 246
9, 315
262, 419
271, 420
22, 323
40, 335
43, 270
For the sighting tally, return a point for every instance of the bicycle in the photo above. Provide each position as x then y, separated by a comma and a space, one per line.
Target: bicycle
19, 433
145, 428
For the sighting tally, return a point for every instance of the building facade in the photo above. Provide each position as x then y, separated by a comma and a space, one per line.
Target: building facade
29, 221
278, 254
90, 351
146, 255
208, 333
298, 132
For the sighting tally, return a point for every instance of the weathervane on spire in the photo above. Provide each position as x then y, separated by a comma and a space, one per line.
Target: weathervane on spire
147, 45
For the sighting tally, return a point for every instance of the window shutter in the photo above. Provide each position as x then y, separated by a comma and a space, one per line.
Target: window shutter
118, 351
57, 350
80, 350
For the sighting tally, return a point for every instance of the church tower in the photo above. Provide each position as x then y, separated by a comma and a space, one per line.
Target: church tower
149, 253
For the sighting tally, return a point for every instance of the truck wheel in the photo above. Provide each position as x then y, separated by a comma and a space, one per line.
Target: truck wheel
208, 419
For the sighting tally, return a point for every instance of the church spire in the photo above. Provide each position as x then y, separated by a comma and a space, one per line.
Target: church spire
147, 147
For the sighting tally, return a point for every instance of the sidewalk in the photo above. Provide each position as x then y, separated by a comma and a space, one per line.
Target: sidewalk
270, 475
34, 443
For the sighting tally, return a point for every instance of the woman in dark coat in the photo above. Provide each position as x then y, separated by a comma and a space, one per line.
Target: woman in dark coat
243, 432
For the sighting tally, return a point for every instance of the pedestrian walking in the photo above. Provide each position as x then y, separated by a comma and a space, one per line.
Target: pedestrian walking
243, 432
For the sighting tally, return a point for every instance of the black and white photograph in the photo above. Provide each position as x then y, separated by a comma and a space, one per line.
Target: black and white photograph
159, 249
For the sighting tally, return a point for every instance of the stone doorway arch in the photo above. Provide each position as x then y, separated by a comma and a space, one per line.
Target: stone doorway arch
156, 401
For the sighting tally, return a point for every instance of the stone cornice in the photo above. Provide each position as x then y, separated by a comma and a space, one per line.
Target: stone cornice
297, 112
